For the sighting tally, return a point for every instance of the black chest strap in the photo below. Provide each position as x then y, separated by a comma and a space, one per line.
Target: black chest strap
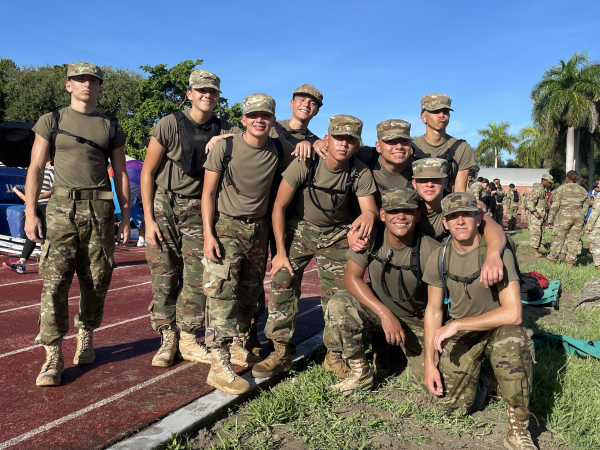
414, 266
352, 175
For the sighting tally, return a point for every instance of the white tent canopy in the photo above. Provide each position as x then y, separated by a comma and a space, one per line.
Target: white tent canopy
520, 177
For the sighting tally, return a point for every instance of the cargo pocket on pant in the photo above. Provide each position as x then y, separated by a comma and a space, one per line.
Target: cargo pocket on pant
110, 261
215, 275
45, 250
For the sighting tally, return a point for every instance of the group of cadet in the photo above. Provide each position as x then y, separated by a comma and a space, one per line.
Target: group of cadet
494, 198
443, 285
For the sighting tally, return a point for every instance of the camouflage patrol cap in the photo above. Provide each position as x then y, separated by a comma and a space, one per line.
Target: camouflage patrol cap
433, 102
393, 129
258, 102
309, 89
399, 198
83, 68
458, 201
345, 125
430, 168
200, 78
548, 177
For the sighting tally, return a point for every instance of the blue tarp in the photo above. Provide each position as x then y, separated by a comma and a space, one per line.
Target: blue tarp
10, 178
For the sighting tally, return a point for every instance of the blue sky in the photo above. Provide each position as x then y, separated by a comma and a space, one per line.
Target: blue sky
374, 60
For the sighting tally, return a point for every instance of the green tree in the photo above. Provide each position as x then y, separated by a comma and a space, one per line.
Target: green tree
566, 98
7, 66
495, 138
533, 147
163, 93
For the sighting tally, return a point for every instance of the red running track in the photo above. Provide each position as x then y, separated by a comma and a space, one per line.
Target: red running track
121, 392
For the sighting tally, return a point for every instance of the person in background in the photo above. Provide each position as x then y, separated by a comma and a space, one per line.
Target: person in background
45, 193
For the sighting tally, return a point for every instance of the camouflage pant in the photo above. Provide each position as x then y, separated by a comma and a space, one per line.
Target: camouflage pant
177, 294
511, 215
305, 241
347, 318
511, 353
499, 213
536, 230
234, 285
568, 229
594, 240
79, 238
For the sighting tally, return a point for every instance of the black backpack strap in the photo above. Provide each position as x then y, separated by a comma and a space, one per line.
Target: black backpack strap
418, 153
279, 147
377, 244
282, 132
227, 159
452, 150
53, 134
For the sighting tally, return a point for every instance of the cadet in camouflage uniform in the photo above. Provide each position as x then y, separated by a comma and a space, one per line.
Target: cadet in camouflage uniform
399, 318
174, 223
319, 233
235, 246
79, 215
593, 228
536, 204
512, 207
478, 188
570, 205
435, 114
483, 323
500, 195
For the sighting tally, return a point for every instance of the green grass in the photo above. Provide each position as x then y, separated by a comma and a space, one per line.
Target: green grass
565, 397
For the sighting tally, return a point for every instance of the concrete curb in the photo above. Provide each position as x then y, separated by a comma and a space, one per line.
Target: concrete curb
205, 410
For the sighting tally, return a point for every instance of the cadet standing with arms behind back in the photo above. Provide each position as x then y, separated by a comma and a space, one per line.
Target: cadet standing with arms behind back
536, 204
80, 215
171, 181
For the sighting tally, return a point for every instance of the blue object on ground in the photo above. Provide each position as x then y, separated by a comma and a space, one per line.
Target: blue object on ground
551, 295
5, 211
10, 178
579, 347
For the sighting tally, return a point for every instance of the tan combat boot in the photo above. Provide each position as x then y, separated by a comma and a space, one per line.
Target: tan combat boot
168, 347
562, 257
191, 350
53, 367
222, 377
85, 348
535, 253
279, 361
336, 364
360, 375
252, 344
517, 437
570, 265
597, 267
240, 356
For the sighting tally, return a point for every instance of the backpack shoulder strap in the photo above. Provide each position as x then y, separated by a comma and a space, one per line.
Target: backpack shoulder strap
282, 132
53, 134
452, 150
227, 159
377, 244
415, 255
418, 153
279, 147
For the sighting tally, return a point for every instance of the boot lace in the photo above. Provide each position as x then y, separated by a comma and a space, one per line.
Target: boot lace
168, 337
52, 358
238, 344
83, 340
519, 429
223, 357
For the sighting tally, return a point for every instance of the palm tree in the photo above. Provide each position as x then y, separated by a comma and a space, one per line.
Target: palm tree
566, 97
495, 138
533, 146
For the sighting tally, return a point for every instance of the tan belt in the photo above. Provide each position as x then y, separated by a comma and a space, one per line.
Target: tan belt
244, 219
75, 194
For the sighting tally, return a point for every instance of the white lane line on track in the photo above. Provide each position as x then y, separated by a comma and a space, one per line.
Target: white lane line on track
75, 275
71, 298
73, 336
91, 407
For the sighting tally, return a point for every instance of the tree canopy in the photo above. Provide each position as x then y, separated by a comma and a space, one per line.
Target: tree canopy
135, 101
494, 138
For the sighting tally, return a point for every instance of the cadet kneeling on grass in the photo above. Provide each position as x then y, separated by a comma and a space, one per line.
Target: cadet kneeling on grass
395, 300
483, 323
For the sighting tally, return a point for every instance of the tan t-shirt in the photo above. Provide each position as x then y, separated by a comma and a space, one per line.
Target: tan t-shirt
167, 135
400, 257
482, 299
464, 155
252, 170
297, 174
383, 176
295, 136
431, 224
80, 166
